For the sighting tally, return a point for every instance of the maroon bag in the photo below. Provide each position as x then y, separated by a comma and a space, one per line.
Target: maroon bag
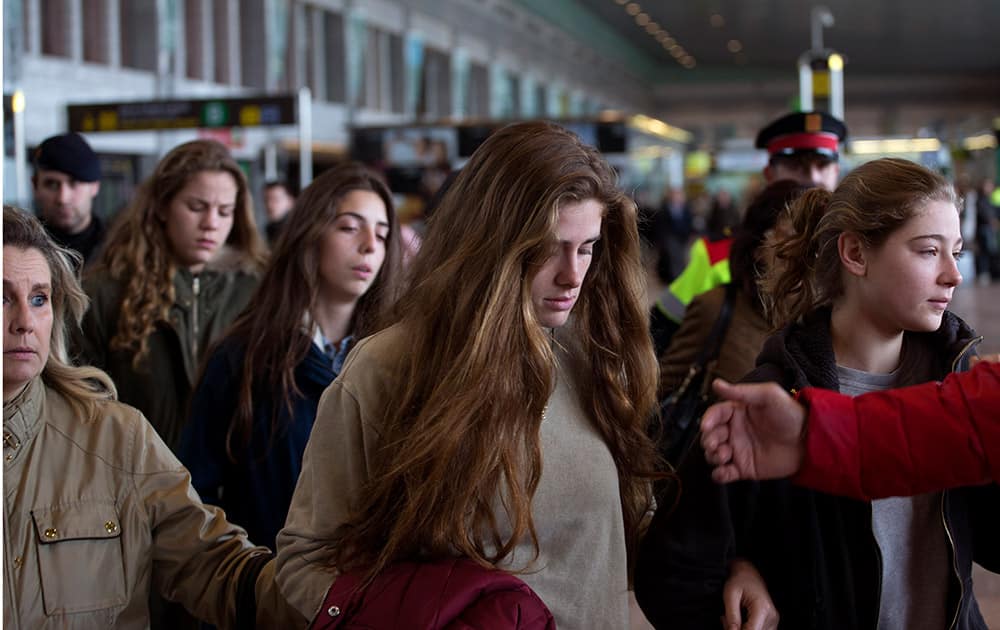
450, 594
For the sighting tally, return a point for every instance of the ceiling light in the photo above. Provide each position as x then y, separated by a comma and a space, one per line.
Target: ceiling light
717, 20
734, 46
977, 143
662, 36
660, 128
621, 1
653, 28
633, 8
896, 145
642, 19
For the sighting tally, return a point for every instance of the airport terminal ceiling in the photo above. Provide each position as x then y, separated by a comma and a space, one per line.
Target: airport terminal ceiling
727, 39
909, 64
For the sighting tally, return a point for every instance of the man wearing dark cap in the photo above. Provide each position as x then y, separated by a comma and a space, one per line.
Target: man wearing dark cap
66, 180
804, 147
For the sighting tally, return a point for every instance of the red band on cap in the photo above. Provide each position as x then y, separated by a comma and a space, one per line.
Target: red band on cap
803, 141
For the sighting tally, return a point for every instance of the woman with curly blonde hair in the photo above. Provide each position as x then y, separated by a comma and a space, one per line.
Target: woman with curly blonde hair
178, 267
502, 418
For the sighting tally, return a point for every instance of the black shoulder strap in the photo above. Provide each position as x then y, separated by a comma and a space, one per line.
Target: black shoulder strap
714, 342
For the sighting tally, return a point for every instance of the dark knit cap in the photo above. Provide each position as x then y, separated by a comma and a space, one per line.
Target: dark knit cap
68, 153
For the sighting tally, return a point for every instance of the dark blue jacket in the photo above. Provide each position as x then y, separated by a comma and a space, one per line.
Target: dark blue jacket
256, 490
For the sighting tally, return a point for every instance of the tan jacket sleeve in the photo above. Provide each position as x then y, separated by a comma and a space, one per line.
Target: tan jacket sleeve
334, 469
197, 555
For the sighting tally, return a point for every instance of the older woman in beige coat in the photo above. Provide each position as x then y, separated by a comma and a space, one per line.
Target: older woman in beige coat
97, 510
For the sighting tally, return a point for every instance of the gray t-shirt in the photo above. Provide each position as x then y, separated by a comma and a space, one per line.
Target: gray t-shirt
909, 531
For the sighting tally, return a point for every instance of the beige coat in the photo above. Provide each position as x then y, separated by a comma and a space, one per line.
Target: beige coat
581, 568
96, 514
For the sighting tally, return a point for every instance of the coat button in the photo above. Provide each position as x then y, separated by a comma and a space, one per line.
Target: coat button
18, 562
111, 526
51, 533
333, 611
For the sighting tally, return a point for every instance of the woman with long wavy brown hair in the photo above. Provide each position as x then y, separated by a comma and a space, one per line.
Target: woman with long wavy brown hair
332, 273
178, 266
503, 416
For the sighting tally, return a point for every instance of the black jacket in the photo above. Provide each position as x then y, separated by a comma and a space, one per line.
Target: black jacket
816, 552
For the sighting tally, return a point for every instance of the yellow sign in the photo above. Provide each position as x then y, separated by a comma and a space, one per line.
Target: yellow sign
821, 83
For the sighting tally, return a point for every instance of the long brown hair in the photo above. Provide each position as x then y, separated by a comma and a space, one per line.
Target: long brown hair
478, 370
137, 251
82, 387
290, 287
873, 201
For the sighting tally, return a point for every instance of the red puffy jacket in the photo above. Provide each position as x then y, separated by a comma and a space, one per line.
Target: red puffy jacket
906, 441
451, 594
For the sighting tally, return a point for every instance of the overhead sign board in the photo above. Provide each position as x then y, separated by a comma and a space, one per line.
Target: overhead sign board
211, 113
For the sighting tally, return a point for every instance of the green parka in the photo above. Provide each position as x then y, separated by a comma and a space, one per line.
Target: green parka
204, 306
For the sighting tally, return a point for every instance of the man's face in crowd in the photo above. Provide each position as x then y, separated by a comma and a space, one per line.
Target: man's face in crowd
810, 169
277, 202
63, 202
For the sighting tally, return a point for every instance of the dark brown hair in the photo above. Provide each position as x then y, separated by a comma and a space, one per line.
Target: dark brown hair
290, 287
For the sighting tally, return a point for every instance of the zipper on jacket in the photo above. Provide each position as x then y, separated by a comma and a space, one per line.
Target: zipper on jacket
965, 350
944, 518
954, 565
195, 288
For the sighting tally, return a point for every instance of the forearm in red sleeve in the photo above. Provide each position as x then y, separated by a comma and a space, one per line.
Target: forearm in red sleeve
908, 441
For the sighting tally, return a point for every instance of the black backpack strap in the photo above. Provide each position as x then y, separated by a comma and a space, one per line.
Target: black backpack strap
714, 342
681, 411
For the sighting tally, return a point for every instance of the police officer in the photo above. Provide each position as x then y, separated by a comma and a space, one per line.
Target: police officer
802, 146
66, 180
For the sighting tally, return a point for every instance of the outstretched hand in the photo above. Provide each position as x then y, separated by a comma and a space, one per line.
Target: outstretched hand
757, 433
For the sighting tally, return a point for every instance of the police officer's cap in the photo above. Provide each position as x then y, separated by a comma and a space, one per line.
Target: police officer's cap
803, 132
68, 153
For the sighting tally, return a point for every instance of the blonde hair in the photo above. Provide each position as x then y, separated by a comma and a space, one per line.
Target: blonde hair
137, 250
873, 201
83, 387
